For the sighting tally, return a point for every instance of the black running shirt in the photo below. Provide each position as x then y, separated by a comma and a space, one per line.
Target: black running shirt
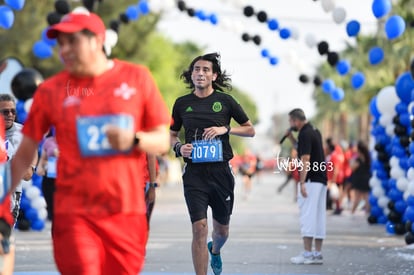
195, 113
310, 143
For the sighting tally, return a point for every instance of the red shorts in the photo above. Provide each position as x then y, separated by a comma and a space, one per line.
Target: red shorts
86, 245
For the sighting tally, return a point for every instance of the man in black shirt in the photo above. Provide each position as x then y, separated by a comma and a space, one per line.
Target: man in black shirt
312, 194
205, 114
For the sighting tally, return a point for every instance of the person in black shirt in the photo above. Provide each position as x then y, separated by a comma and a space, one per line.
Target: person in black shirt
312, 186
205, 114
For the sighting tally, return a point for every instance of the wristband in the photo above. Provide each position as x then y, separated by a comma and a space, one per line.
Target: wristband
177, 148
152, 185
228, 129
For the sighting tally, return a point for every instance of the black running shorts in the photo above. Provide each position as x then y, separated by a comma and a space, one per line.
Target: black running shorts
209, 184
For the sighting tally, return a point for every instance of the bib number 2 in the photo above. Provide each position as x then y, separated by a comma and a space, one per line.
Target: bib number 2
91, 133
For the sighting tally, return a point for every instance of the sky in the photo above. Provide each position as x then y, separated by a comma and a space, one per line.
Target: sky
275, 89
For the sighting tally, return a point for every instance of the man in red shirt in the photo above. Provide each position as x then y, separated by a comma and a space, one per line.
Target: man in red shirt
107, 114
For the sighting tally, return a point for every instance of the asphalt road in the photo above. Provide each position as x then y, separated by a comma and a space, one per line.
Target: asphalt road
264, 235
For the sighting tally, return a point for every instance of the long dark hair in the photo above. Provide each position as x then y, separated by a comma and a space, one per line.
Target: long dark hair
222, 81
363, 149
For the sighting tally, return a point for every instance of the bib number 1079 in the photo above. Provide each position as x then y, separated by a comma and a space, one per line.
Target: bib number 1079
207, 151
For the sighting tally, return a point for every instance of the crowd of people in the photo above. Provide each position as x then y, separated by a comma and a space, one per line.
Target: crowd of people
103, 156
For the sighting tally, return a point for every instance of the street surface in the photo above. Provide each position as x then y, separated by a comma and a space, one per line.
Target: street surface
264, 235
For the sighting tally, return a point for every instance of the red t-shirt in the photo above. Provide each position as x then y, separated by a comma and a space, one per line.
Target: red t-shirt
101, 185
337, 159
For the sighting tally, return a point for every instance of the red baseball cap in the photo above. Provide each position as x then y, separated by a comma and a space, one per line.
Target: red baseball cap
75, 22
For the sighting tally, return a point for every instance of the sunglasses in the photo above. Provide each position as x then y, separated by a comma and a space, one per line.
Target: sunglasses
5, 112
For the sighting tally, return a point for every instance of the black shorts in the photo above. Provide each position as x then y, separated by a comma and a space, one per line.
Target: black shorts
209, 184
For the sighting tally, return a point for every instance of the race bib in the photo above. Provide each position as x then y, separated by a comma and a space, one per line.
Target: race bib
207, 151
5, 180
51, 167
91, 133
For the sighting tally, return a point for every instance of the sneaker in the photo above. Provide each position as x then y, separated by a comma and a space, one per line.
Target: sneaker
215, 261
314, 260
302, 258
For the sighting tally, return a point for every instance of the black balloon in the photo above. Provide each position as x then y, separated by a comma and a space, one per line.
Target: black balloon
53, 18
396, 119
124, 18
379, 147
391, 205
409, 238
88, 4
248, 11
62, 6
333, 58
323, 47
317, 81
181, 5
303, 78
412, 68
372, 219
399, 228
245, 37
394, 217
191, 12
405, 141
408, 226
382, 156
114, 25
400, 130
257, 40
25, 82
262, 16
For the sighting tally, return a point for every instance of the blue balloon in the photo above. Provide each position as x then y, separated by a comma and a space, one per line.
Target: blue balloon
273, 24
404, 86
382, 219
380, 8
401, 108
265, 52
343, 67
373, 201
357, 80
328, 85
375, 55
24, 203
132, 12
376, 211
390, 227
410, 200
143, 7
352, 28
42, 50
394, 27
284, 33
213, 19
15, 4
373, 107
405, 119
200, 14
6, 17
400, 206
409, 213
337, 94
31, 214
50, 42
37, 225
273, 61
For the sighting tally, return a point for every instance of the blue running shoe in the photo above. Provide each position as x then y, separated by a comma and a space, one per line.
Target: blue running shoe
215, 261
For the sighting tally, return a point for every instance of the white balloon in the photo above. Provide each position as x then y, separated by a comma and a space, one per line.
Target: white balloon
410, 174
294, 33
328, 5
383, 201
28, 105
38, 203
374, 181
81, 9
339, 15
32, 192
394, 161
111, 37
406, 195
42, 214
386, 210
389, 129
155, 6
387, 98
310, 40
378, 191
397, 172
240, 3
410, 188
385, 120
26, 184
402, 184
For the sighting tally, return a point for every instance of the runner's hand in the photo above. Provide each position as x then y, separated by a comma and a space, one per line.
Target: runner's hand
212, 132
120, 139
